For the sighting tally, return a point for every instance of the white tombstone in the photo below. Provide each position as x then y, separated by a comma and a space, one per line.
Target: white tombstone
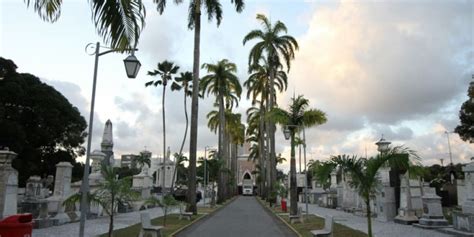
8, 184
432, 212
464, 221
406, 213
62, 190
95, 178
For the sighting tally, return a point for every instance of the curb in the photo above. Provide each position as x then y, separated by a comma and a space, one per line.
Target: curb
203, 217
279, 217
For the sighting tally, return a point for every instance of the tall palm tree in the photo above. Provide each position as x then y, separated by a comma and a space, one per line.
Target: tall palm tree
364, 172
165, 70
185, 82
256, 122
236, 131
223, 83
277, 49
118, 22
214, 10
296, 118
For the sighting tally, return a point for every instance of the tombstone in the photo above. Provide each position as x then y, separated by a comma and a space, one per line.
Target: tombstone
406, 213
107, 144
464, 221
62, 190
143, 182
33, 201
432, 213
8, 184
95, 178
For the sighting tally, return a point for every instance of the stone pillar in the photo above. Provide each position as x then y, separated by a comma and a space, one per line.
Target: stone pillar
464, 221
97, 158
62, 190
62, 182
8, 184
333, 179
406, 214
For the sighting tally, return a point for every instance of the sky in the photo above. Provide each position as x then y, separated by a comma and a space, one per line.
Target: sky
398, 68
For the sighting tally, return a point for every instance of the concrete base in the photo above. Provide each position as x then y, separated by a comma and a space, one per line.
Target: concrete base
455, 232
61, 218
433, 222
44, 223
463, 222
406, 217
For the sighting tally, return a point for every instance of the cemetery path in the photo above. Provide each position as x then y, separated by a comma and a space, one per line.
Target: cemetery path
379, 228
243, 217
96, 226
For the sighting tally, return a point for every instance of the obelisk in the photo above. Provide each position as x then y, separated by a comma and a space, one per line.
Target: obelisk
107, 144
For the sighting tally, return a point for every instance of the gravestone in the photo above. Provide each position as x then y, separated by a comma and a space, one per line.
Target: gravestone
432, 213
95, 178
406, 213
62, 190
464, 221
33, 201
8, 184
143, 182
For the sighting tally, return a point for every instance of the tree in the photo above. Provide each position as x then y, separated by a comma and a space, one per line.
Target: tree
185, 82
296, 118
214, 10
466, 115
166, 70
142, 160
30, 112
364, 172
118, 22
277, 50
224, 84
111, 193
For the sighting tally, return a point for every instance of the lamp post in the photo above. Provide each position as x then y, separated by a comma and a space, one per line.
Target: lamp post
449, 149
287, 132
132, 66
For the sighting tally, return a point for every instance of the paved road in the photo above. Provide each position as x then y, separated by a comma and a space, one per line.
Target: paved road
243, 217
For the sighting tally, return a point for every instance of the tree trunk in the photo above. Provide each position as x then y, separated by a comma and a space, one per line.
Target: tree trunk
194, 113
369, 217
221, 189
262, 147
164, 137
271, 134
293, 194
111, 223
175, 172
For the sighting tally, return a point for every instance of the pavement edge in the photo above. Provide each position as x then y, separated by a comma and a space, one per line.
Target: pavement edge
202, 218
278, 216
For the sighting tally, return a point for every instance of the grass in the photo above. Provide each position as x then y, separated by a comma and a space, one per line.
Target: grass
172, 224
313, 222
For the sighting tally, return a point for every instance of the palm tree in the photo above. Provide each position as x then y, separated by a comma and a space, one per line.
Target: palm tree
109, 195
280, 159
214, 10
258, 85
278, 50
296, 118
165, 70
364, 172
118, 22
224, 84
185, 82
142, 160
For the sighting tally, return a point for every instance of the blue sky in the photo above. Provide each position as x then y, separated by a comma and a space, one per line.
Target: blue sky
400, 68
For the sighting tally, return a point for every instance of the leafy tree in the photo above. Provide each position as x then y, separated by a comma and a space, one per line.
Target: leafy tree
118, 22
30, 112
277, 50
364, 172
466, 115
111, 193
296, 117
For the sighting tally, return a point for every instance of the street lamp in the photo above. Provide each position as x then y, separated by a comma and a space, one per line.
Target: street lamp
287, 133
132, 65
449, 148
